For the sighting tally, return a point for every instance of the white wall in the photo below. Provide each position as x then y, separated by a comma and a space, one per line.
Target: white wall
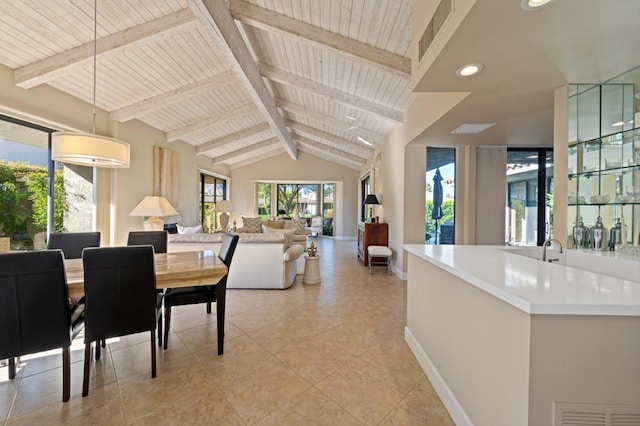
491, 199
307, 168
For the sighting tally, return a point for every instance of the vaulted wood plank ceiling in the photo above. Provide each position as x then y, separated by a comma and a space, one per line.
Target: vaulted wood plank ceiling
240, 81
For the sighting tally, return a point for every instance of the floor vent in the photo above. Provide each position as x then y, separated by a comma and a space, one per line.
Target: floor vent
435, 24
569, 414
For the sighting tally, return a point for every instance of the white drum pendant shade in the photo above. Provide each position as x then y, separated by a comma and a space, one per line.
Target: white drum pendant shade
90, 150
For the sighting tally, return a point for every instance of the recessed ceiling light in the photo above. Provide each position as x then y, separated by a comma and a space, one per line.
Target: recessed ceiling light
617, 124
364, 141
534, 4
469, 70
473, 127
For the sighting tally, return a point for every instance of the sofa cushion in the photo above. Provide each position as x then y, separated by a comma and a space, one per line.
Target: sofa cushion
252, 224
275, 224
189, 229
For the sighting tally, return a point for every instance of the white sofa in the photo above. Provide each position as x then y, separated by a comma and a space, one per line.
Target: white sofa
261, 261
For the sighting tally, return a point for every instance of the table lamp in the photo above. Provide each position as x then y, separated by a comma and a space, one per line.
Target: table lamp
371, 200
154, 208
224, 207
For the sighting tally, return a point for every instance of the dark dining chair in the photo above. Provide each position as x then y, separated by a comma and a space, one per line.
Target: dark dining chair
120, 298
158, 239
204, 294
34, 312
72, 243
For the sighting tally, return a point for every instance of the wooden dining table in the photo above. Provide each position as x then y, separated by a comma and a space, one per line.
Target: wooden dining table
183, 269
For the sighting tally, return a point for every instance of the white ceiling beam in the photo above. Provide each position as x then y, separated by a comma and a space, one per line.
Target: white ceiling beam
309, 149
330, 93
274, 22
366, 151
181, 132
369, 135
61, 64
319, 146
257, 158
217, 20
244, 133
173, 97
269, 143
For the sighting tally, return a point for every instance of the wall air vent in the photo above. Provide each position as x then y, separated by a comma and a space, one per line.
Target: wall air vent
569, 414
435, 24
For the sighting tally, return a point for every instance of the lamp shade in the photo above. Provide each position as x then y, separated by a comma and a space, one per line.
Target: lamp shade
223, 206
371, 199
86, 149
154, 206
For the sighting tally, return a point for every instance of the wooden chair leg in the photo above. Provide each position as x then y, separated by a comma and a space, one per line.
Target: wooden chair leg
66, 374
12, 368
153, 353
87, 368
160, 330
167, 324
220, 308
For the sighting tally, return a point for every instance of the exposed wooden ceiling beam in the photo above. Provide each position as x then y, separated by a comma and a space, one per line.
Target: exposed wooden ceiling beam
302, 141
257, 158
310, 149
329, 121
330, 93
217, 19
271, 21
269, 143
181, 132
50, 68
244, 133
365, 151
173, 97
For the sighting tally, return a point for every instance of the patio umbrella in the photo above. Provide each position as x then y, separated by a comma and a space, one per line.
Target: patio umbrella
436, 213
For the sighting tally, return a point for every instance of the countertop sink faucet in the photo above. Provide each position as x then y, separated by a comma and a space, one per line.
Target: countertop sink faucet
547, 243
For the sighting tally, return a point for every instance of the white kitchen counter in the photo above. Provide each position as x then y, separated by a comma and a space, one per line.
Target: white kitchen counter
533, 286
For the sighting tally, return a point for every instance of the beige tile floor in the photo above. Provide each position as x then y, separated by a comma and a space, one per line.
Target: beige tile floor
327, 354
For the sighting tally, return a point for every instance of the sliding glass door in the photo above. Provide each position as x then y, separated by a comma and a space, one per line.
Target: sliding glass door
529, 196
439, 212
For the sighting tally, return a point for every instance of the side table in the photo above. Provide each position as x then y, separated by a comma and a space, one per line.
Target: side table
311, 270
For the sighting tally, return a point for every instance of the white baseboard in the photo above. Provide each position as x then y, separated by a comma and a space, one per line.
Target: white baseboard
450, 402
399, 273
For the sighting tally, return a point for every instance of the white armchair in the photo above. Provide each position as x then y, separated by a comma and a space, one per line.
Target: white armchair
316, 226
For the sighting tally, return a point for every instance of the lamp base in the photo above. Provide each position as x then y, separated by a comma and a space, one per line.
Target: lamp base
224, 221
154, 223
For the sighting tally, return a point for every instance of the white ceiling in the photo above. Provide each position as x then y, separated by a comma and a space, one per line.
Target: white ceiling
526, 56
282, 76
254, 78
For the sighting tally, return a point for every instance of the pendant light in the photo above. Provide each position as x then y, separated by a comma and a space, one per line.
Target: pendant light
89, 149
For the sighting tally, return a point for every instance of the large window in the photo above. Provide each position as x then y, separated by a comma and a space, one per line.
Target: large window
365, 189
298, 200
529, 195
304, 200
37, 195
212, 191
440, 196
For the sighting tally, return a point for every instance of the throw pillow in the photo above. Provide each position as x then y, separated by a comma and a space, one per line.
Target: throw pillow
252, 225
189, 229
300, 226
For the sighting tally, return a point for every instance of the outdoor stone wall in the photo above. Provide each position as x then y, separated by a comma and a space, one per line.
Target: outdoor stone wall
78, 187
